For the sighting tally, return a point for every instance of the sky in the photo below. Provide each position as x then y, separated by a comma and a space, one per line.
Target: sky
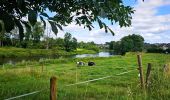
150, 20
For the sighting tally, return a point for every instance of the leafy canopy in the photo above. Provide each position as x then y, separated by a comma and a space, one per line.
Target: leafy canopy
82, 12
128, 43
70, 43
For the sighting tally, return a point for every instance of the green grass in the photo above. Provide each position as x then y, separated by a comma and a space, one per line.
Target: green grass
21, 52
26, 77
84, 51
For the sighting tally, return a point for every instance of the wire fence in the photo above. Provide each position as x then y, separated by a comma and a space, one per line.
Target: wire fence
53, 83
23, 95
83, 82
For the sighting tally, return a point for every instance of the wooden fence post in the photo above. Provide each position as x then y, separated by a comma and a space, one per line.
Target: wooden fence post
53, 89
165, 68
141, 71
148, 73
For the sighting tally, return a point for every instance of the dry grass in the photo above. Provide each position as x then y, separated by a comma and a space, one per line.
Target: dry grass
166, 70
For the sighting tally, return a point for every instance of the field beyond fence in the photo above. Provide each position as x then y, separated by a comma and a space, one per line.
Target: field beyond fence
119, 77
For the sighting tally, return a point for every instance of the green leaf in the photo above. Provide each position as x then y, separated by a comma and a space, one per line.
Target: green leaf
27, 25
20, 3
54, 28
32, 17
0, 27
88, 26
43, 21
105, 27
44, 14
59, 26
8, 21
100, 23
21, 30
77, 21
111, 31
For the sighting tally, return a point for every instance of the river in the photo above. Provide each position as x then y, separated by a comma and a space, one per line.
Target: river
37, 58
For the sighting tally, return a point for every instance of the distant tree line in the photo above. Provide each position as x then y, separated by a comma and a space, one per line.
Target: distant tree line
135, 43
130, 43
88, 45
36, 39
157, 48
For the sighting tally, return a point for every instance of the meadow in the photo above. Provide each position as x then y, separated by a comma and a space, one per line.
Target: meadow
27, 77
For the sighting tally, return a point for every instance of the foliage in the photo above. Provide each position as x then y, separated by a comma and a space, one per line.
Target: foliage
132, 43
83, 12
32, 37
37, 32
88, 45
60, 43
74, 43
157, 48
70, 43
36, 41
67, 41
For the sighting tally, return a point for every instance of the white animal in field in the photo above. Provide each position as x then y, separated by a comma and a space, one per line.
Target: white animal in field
80, 63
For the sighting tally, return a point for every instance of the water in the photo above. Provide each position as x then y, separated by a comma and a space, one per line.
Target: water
37, 58
100, 54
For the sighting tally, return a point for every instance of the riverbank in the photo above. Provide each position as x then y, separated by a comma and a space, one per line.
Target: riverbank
20, 52
27, 77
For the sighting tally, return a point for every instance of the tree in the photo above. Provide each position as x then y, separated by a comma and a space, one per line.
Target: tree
70, 43
132, 43
74, 43
32, 37
2, 32
89, 46
128, 43
37, 32
111, 44
67, 41
115, 46
138, 42
60, 43
83, 12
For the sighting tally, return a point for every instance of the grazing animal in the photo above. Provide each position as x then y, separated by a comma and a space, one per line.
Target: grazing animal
80, 63
90, 63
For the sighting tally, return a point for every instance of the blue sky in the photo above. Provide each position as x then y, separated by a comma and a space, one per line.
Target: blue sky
151, 20
163, 10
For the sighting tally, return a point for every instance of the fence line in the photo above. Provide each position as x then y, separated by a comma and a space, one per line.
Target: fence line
125, 72
23, 95
100, 78
27, 94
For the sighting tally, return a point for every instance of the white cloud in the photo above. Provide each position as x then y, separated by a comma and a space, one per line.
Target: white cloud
147, 21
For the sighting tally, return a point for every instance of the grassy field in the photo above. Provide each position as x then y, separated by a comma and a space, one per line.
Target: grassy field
20, 52
27, 77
